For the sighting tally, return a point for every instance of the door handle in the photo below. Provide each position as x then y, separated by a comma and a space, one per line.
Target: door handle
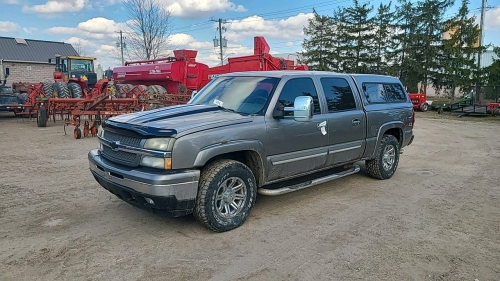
355, 122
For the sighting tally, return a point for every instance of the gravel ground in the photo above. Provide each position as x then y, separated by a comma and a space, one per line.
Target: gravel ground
437, 218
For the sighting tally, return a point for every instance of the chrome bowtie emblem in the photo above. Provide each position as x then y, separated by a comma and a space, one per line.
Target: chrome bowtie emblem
114, 145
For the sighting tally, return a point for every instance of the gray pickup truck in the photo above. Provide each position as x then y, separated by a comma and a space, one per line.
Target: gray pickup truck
266, 132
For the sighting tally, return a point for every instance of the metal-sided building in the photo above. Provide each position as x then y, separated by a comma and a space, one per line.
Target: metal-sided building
28, 60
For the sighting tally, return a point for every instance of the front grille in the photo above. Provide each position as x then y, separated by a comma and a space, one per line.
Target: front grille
126, 140
122, 157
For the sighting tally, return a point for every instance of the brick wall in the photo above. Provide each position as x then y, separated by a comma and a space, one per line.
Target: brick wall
29, 72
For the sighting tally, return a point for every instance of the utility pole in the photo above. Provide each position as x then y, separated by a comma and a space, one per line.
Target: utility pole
121, 44
479, 51
221, 42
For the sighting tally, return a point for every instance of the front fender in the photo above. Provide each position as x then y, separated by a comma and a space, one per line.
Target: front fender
214, 150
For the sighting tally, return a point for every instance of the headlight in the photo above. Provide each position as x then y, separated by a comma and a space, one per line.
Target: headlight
100, 131
155, 162
162, 144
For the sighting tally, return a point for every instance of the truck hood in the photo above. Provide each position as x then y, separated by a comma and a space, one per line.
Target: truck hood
173, 120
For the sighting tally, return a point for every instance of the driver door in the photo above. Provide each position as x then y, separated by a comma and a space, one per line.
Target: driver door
294, 147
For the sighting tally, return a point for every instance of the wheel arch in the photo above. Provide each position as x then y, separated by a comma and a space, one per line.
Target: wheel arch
247, 152
393, 128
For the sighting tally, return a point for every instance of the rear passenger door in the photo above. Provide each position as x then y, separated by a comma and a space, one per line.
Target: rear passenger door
295, 147
346, 123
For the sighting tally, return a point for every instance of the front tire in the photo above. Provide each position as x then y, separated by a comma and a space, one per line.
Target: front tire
226, 195
386, 160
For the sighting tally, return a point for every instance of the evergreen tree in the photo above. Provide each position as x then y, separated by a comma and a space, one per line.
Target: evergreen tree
456, 55
358, 32
340, 44
430, 22
383, 39
318, 48
493, 71
403, 58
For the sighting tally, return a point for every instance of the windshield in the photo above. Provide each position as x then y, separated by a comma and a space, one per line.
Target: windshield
82, 65
245, 95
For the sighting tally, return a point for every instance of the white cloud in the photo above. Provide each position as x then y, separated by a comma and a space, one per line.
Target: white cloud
100, 25
199, 8
79, 41
289, 44
62, 30
289, 28
8, 26
97, 28
29, 30
57, 6
492, 19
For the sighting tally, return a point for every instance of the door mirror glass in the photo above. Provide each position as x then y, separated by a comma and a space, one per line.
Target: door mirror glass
303, 108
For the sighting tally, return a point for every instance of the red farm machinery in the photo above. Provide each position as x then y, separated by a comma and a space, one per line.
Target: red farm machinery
138, 85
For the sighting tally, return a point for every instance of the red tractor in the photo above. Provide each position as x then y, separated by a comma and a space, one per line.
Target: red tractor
419, 101
74, 77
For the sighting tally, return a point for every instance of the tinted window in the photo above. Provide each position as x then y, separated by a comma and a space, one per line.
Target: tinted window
338, 94
383, 93
298, 87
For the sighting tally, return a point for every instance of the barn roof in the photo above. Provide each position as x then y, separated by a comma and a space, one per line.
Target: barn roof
27, 50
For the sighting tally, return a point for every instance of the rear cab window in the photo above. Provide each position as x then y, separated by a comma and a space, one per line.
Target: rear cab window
384, 92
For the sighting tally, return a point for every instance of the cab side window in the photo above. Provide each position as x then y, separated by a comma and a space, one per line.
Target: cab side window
299, 87
338, 93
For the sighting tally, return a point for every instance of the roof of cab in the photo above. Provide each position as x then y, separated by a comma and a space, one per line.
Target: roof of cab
281, 73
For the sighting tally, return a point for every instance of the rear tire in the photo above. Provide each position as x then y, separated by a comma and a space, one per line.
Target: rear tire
48, 89
495, 111
226, 195
41, 117
386, 160
75, 90
122, 90
60, 90
77, 133
424, 107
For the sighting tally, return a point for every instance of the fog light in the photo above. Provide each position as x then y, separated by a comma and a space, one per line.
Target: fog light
149, 200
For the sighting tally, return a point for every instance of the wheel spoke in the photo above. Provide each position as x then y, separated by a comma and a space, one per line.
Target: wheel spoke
239, 196
226, 208
234, 205
218, 198
220, 206
238, 187
231, 182
390, 150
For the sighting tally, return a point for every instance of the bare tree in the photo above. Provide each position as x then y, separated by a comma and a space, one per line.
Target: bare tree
79, 48
151, 25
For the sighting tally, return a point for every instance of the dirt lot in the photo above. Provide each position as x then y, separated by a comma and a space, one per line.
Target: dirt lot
438, 218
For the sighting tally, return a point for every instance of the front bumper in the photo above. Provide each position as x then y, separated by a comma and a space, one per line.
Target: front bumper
169, 193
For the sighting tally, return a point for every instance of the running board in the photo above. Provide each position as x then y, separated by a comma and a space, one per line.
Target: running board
309, 183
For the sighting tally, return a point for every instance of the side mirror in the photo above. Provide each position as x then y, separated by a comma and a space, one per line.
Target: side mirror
302, 109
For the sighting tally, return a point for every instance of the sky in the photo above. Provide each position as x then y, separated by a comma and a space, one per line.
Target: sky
94, 25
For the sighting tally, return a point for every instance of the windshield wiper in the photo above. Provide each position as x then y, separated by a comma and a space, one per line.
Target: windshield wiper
226, 109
